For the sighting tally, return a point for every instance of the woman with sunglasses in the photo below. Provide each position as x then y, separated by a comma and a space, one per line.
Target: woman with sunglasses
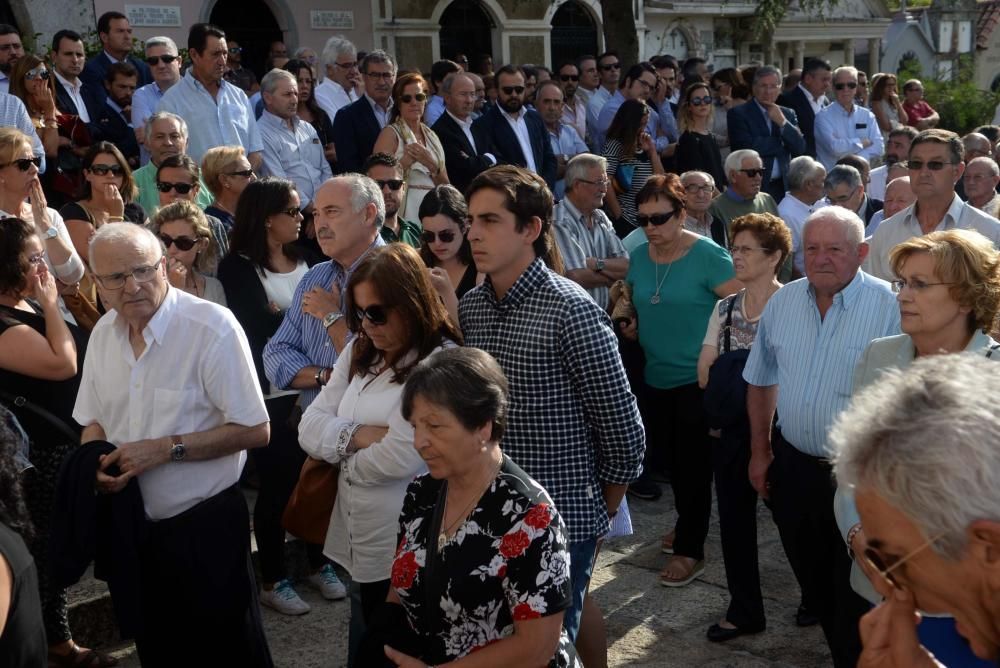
226, 172
676, 279
632, 159
183, 230
415, 145
33, 83
260, 274
444, 248
40, 359
948, 289
179, 178
697, 149
397, 321
309, 110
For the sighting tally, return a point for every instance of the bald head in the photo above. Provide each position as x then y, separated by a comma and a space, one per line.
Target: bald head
898, 196
124, 236
976, 146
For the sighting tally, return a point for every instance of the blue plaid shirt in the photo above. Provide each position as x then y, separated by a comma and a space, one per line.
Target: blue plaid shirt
573, 422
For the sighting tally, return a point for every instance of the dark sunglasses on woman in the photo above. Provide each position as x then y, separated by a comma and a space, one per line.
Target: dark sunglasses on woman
376, 314
182, 188
406, 99
24, 164
182, 243
656, 219
699, 101
446, 236
102, 170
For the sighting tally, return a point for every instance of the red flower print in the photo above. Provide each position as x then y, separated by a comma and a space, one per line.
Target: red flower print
502, 571
538, 516
513, 544
524, 611
404, 569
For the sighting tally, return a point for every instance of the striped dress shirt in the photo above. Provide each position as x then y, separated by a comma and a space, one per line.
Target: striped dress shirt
812, 359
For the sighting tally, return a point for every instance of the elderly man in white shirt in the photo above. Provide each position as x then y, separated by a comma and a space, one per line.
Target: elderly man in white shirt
165, 64
217, 112
292, 149
169, 381
805, 195
935, 164
844, 128
340, 62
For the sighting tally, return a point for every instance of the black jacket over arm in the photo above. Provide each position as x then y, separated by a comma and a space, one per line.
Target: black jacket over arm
799, 103
462, 160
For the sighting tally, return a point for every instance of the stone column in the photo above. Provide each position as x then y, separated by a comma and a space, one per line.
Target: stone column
849, 52
800, 54
770, 54
783, 55
874, 56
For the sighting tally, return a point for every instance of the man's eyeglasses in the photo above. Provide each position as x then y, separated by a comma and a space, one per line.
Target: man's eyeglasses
245, 173
656, 219
347, 66
569, 77
446, 236
182, 243
181, 188
752, 172
142, 274
384, 76
933, 165
512, 90
603, 183
394, 184
611, 66
24, 164
406, 99
875, 560
376, 314
916, 285
167, 59
849, 84
699, 101
103, 170
694, 189
232, 50
37, 73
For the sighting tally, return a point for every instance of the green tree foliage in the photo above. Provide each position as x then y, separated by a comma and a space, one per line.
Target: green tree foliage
961, 105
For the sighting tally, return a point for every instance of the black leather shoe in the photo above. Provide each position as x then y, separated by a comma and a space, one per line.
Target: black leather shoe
718, 633
805, 618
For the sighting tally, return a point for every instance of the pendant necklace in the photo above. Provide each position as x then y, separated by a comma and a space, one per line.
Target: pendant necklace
443, 535
655, 299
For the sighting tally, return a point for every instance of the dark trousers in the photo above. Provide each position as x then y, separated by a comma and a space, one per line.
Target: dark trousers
737, 501
775, 188
802, 489
278, 466
678, 431
199, 598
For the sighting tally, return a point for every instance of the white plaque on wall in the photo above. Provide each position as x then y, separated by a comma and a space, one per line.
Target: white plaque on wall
331, 19
154, 16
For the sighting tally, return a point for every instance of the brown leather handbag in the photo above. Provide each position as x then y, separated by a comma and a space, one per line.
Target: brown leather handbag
307, 514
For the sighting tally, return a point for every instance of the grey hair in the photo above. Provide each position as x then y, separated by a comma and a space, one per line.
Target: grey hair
734, 161
766, 71
162, 41
164, 116
697, 172
335, 47
973, 138
126, 234
579, 164
450, 80
801, 169
270, 82
377, 56
848, 219
989, 162
365, 191
840, 175
853, 71
302, 51
924, 440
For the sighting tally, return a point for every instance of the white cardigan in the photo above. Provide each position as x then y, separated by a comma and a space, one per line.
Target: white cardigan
373, 480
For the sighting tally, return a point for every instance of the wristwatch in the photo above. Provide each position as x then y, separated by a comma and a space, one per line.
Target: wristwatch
177, 449
599, 265
52, 232
330, 318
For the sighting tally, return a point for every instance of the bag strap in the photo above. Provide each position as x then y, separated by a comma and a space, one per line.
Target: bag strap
22, 402
729, 322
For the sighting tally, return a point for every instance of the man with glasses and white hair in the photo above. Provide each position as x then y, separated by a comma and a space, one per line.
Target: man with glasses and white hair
745, 171
845, 187
805, 192
809, 339
845, 128
936, 164
340, 63
165, 63
170, 384
918, 448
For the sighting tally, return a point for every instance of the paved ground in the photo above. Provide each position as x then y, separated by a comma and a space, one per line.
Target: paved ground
647, 624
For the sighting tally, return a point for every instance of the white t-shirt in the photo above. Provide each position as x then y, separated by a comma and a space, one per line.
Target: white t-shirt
280, 288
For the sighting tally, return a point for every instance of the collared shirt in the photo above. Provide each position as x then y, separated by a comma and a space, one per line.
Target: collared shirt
817, 103
224, 120
144, 103
118, 110
294, 153
775, 168
839, 132
381, 115
4, 83
435, 107
567, 142
195, 374
520, 128
597, 101
149, 197
667, 122
876, 182
904, 225
572, 423
409, 233
577, 241
585, 96
73, 90
812, 359
794, 212
331, 96
575, 116
13, 114
466, 127
877, 218
301, 340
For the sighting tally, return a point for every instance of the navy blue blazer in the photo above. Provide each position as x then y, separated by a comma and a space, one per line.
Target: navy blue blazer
462, 160
95, 69
355, 130
507, 149
798, 102
748, 129
93, 99
110, 126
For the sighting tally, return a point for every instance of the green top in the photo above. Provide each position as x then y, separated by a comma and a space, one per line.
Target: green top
409, 233
149, 196
725, 207
671, 331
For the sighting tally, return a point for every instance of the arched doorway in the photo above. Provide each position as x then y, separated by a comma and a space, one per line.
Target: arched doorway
252, 25
466, 28
573, 33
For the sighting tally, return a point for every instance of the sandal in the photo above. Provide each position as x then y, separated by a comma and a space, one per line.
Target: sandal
687, 573
79, 657
667, 544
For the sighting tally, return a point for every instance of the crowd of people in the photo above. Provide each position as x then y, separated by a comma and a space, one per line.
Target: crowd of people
457, 319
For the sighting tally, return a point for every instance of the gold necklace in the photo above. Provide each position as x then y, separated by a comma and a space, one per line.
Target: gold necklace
443, 536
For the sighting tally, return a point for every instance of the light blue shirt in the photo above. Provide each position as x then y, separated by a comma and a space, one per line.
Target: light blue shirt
839, 132
144, 103
668, 123
14, 115
812, 359
567, 143
293, 153
597, 101
224, 120
435, 107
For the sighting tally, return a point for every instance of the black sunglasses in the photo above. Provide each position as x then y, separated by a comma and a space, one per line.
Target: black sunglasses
38, 73
233, 49
446, 236
376, 314
612, 66
102, 170
245, 173
394, 184
292, 211
167, 59
569, 77
512, 90
406, 99
657, 219
753, 172
933, 165
182, 188
182, 243
24, 164
850, 84
699, 101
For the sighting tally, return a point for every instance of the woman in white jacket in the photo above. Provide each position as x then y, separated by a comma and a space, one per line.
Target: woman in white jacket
397, 320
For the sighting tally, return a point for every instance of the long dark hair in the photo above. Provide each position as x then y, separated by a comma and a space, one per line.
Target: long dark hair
447, 201
13, 511
14, 234
128, 189
296, 65
260, 199
402, 283
626, 124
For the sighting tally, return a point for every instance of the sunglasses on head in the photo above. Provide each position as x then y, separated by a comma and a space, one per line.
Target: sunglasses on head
406, 99
753, 172
24, 164
699, 101
182, 243
933, 165
842, 85
37, 73
656, 219
102, 170
612, 66
512, 90
376, 314
181, 188
167, 59
394, 184
569, 77
446, 236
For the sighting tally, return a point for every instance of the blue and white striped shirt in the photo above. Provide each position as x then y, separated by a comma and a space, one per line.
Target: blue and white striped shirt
301, 340
812, 359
